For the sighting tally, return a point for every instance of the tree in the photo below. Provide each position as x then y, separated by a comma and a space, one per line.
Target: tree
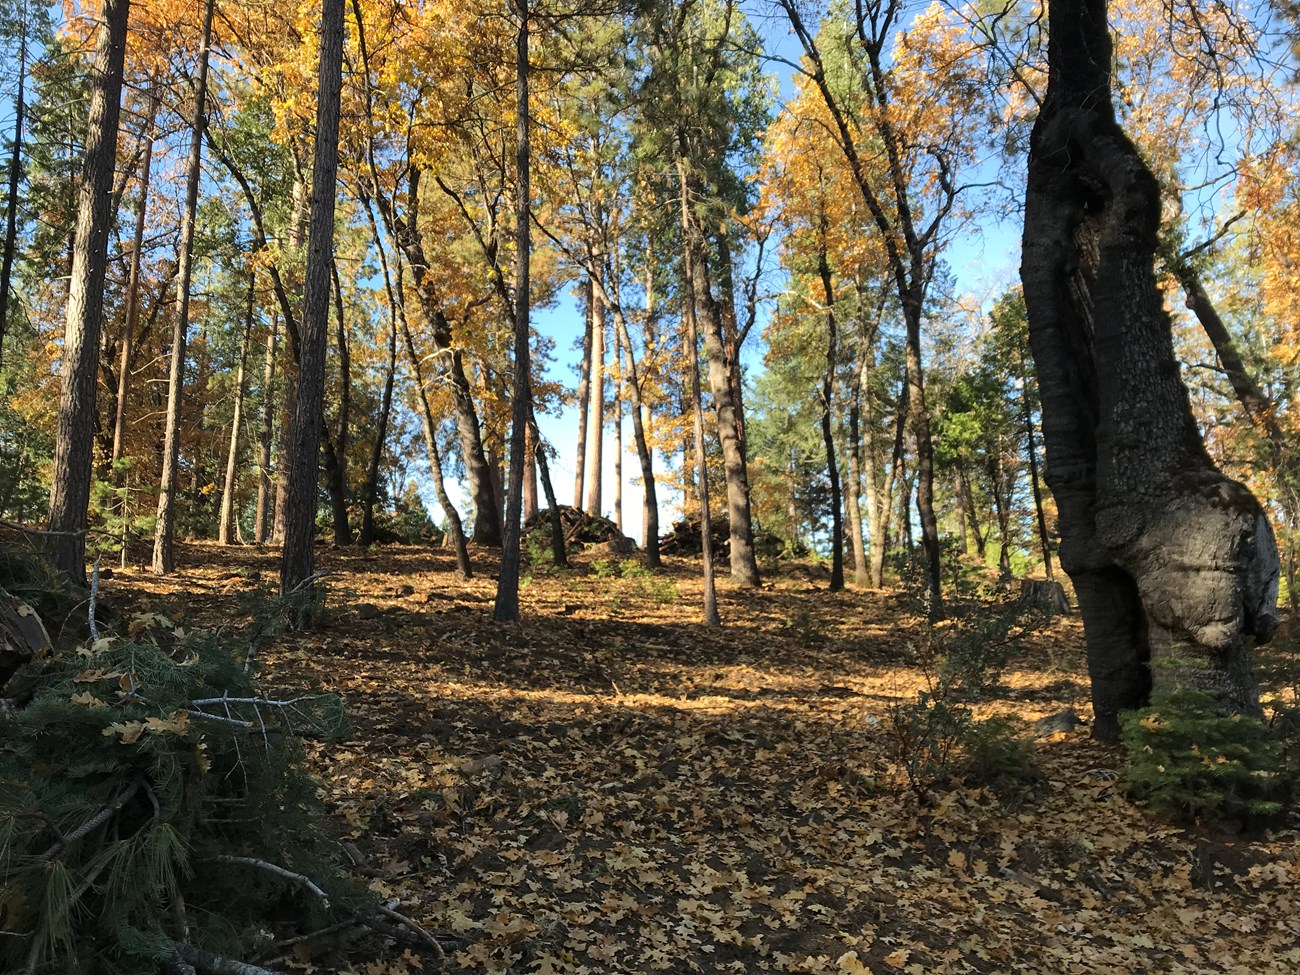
300, 514
163, 556
74, 443
1169, 558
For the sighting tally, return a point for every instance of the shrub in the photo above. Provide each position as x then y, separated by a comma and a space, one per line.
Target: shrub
1188, 760
157, 810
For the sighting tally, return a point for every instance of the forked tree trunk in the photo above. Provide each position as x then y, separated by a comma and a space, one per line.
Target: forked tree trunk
1169, 558
74, 440
367, 534
828, 431
744, 566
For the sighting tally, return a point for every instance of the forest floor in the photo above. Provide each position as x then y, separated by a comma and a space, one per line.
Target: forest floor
609, 786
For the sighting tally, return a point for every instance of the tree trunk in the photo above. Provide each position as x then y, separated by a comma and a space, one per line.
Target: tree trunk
744, 566
617, 386
132, 311
164, 559
74, 440
506, 608
650, 512
262, 519
430, 428
1002, 509
530, 476
584, 397
367, 535
226, 519
297, 239
1170, 559
296, 560
963, 541
336, 450
15, 177
828, 430
596, 425
967, 500
853, 495
1031, 448
711, 617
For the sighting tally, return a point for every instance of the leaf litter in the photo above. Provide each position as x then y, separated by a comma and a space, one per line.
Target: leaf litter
608, 786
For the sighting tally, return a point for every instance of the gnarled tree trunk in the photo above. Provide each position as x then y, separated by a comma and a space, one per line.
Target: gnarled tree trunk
1167, 555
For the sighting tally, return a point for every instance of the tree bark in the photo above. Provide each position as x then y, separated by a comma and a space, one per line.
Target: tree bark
296, 560
164, 559
617, 387
336, 449
744, 566
711, 617
74, 439
226, 519
1031, 448
1171, 561
828, 430
367, 534
506, 608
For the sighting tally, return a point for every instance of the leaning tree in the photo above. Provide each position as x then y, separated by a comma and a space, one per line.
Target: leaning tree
1172, 561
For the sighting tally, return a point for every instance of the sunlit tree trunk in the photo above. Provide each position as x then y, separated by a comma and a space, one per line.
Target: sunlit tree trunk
79, 357
584, 395
1174, 565
336, 449
369, 499
596, 425
296, 560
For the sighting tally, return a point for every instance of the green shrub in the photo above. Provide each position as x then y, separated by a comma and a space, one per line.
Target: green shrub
997, 753
155, 806
1188, 760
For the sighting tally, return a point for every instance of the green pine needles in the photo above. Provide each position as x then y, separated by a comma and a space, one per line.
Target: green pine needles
1188, 760
153, 809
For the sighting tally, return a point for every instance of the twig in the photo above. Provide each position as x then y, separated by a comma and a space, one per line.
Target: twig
416, 928
94, 601
216, 965
95, 821
276, 869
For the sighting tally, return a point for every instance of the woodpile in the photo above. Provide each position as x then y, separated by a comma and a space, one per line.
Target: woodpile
580, 529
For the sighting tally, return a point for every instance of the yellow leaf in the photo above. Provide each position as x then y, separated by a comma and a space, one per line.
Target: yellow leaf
957, 860
89, 700
129, 730
177, 724
848, 962
897, 958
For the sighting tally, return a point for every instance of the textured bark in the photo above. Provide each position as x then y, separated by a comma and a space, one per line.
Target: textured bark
853, 493
226, 518
711, 617
296, 559
74, 444
164, 559
744, 565
506, 608
1169, 558
617, 387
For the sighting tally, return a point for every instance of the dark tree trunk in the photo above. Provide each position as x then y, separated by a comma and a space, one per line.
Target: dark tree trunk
226, 518
265, 434
828, 431
336, 449
296, 560
11, 201
164, 559
506, 609
74, 440
132, 311
1169, 558
711, 616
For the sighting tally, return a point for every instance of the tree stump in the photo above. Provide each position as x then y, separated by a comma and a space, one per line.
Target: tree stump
1048, 596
